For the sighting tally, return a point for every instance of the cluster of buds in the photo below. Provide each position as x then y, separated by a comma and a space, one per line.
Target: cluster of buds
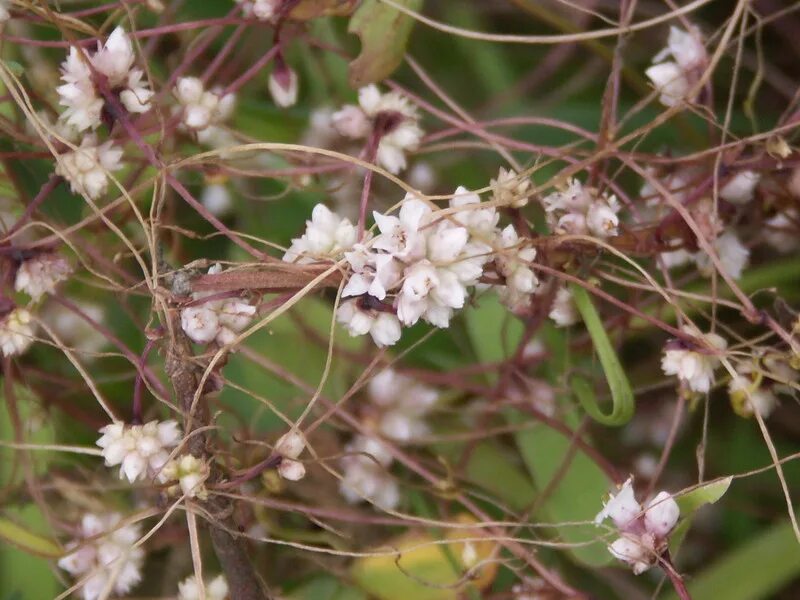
289, 447
579, 210
644, 531
219, 320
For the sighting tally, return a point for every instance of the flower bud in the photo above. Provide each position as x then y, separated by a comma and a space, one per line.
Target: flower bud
283, 85
661, 515
291, 469
291, 444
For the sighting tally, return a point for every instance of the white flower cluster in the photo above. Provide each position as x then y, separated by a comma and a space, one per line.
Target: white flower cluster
105, 555
218, 320
419, 265
216, 589
16, 332
674, 78
394, 115
290, 446
190, 473
202, 110
86, 168
643, 530
5, 14
141, 450
578, 210
402, 404
40, 274
366, 476
263, 10
113, 60
397, 410
694, 368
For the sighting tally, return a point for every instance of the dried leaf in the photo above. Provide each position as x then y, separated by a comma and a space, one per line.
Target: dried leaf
384, 32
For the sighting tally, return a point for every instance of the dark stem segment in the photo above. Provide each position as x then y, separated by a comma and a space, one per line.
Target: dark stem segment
231, 550
675, 577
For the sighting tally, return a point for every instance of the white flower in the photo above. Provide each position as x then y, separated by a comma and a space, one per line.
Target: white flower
479, 222
661, 515
621, 508
200, 108
672, 78
216, 589
512, 262
327, 235
686, 48
733, 256
263, 10
384, 327
373, 273
365, 475
5, 15
693, 368
563, 310
630, 549
509, 189
403, 403
739, 190
16, 332
40, 275
87, 167
676, 258
217, 199
77, 94
575, 198
781, 231
114, 60
105, 555
283, 86
200, 323
190, 472
350, 121
601, 218
140, 450
402, 236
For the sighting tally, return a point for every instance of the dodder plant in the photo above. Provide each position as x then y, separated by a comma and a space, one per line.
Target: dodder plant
288, 313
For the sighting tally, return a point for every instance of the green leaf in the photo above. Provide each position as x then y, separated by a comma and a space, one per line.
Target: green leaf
705, 494
27, 541
495, 333
577, 495
621, 392
384, 32
753, 571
